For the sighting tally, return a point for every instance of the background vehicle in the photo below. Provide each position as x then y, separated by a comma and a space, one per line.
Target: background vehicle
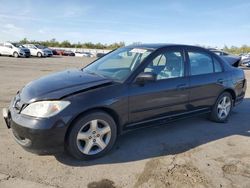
131, 87
14, 49
218, 52
100, 55
39, 50
245, 59
57, 51
83, 54
68, 53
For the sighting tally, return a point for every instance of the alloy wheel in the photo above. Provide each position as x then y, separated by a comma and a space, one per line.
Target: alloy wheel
93, 137
224, 107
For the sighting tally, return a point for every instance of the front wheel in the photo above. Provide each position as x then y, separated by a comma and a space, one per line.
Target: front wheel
39, 54
15, 54
222, 108
91, 136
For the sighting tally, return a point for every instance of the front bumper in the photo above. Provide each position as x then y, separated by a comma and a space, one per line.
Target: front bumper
24, 54
37, 135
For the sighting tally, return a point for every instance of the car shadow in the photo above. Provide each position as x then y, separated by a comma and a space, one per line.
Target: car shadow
173, 138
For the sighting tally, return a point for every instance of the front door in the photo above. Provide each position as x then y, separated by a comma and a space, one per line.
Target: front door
167, 95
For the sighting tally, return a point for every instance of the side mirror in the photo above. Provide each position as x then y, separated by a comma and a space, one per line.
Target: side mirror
145, 77
129, 53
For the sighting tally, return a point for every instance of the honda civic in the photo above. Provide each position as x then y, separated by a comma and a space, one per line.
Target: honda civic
83, 111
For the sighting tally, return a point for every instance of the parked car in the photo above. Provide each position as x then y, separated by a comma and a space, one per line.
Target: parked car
14, 49
100, 55
84, 110
245, 59
39, 50
83, 54
68, 53
218, 52
57, 52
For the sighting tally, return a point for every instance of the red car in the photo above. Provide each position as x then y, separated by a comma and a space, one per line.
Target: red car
58, 52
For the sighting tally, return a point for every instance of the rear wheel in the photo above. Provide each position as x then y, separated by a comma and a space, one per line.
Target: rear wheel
92, 136
15, 54
222, 108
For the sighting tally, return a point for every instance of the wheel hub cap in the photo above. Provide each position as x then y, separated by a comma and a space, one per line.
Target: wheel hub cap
93, 137
224, 107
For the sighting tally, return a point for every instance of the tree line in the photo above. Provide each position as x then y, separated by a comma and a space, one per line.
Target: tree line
237, 50
90, 45
67, 44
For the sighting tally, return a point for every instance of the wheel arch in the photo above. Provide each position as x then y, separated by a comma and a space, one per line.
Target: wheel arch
109, 111
232, 92
15, 52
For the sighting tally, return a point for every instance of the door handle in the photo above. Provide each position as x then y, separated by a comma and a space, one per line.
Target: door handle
181, 86
220, 81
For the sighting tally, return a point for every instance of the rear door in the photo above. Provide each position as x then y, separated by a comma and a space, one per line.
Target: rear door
207, 78
167, 95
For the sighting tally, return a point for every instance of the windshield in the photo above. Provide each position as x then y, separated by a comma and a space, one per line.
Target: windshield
40, 46
119, 64
18, 45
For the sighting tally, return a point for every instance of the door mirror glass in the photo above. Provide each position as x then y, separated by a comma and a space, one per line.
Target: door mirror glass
145, 77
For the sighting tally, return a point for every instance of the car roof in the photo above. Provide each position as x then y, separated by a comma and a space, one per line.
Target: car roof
160, 45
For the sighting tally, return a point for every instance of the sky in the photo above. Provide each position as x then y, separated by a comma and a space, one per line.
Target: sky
212, 23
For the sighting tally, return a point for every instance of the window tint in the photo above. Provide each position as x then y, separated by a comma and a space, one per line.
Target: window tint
217, 66
8, 46
167, 65
200, 63
159, 60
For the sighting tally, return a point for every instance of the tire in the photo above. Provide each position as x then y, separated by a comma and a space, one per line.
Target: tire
39, 54
222, 108
15, 54
91, 136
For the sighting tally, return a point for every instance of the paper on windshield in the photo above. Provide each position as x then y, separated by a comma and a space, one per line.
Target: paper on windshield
138, 50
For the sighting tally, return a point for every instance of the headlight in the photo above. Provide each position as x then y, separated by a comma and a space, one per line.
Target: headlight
45, 108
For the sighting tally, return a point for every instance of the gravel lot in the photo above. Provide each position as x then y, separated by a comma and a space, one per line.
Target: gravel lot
187, 153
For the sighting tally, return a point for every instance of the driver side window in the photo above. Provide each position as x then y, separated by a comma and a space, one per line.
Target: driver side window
167, 65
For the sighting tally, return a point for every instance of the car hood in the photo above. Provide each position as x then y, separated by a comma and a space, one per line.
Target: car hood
24, 49
47, 50
61, 84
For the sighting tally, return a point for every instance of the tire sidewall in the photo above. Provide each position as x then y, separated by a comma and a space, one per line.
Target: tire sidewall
71, 143
39, 54
15, 54
215, 108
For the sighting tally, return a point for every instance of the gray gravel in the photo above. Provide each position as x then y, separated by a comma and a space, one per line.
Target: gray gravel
187, 153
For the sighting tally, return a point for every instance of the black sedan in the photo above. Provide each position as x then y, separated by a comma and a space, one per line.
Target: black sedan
84, 110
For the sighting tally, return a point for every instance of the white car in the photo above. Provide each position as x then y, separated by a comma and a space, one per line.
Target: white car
14, 49
83, 54
39, 50
245, 59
